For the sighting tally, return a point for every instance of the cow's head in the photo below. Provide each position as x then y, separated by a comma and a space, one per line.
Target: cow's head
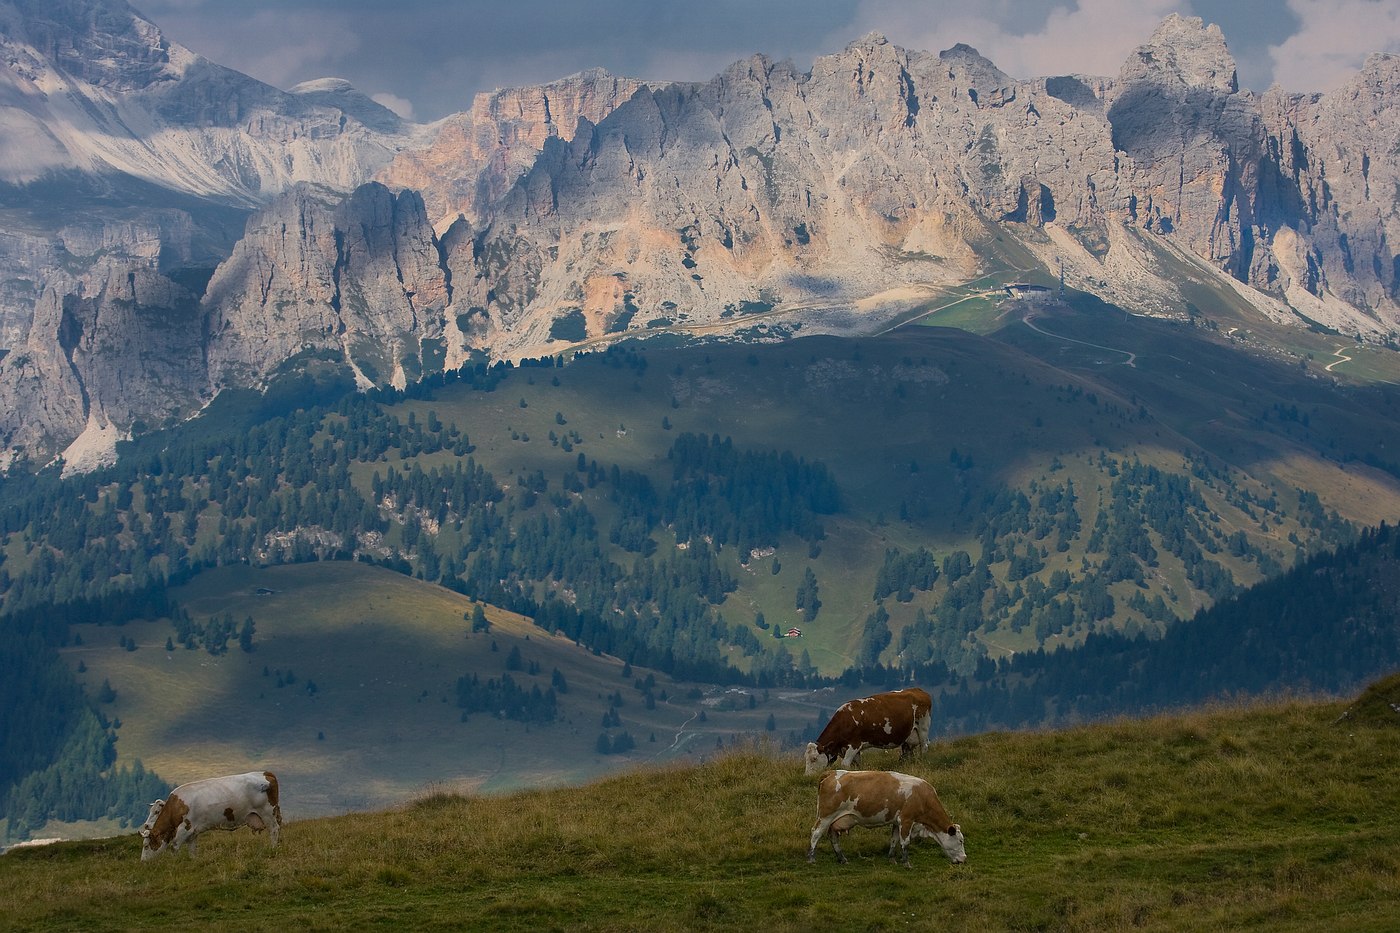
813, 761
150, 846
156, 807
952, 841
162, 822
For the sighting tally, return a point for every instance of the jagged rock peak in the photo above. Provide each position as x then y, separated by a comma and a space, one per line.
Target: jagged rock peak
964, 51
104, 43
1184, 50
340, 94
868, 41
978, 70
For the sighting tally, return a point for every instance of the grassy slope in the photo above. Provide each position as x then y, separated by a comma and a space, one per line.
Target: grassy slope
1277, 817
874, 410
385, 652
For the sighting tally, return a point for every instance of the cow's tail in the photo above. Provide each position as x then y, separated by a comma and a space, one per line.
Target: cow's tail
272, 796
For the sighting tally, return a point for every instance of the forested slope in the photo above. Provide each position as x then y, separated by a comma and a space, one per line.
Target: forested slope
924, 507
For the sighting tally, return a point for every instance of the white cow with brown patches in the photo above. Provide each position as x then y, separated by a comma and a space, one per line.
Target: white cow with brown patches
898, 719
907, 804
215, 803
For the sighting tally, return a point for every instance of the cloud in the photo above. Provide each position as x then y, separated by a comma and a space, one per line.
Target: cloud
1025, 38
1333, 41
281, 47
399, 105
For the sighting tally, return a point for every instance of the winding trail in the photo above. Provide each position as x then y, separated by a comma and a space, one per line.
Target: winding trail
1341, 357
680, 733
1131, 360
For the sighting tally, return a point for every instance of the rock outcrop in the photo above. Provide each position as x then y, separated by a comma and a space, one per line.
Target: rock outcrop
104, 118
883, 167
119, 352
476, 156
361, 279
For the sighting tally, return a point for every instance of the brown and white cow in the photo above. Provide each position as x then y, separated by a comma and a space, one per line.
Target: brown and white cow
215, 803
898, 719
878, 798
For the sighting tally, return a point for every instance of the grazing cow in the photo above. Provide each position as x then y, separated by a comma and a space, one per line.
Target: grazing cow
898, 719
878, 798
215, 803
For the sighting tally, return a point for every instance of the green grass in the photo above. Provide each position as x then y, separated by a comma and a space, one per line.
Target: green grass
385, 652
1273, 817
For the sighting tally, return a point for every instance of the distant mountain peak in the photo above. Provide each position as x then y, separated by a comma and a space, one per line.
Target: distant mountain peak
1184, 50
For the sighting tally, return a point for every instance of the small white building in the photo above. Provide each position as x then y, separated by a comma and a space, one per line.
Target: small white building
1028, 292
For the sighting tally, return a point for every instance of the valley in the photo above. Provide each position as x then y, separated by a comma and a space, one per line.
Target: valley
350, 693
970, 501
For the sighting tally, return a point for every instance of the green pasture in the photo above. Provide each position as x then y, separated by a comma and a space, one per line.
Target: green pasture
1273, 817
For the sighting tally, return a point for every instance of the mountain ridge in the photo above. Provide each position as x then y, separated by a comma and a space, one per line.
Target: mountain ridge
598, 205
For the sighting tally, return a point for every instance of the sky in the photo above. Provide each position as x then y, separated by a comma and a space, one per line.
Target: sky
427, 58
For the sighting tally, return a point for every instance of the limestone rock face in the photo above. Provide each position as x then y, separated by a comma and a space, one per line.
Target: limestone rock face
1336, 206
878, 169
883, 168
476, 156
766, 201
124, 347
1194, 141
361, 279
105, 119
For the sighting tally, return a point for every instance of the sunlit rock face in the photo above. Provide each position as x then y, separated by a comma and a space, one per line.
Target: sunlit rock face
825, 199
475, 157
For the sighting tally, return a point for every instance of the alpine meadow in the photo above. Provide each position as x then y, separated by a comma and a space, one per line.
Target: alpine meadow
506, 502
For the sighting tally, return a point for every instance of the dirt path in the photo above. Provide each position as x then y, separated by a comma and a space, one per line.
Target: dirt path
680, 733
1030, 322
1341, 358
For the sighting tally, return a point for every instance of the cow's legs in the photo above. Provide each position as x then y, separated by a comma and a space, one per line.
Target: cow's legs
823, 828
190, 845
903, 837
818, 831
836, 845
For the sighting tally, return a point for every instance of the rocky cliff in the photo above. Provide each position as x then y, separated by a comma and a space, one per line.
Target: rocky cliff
834, 198
361, 279
114, 352
476, 156
103, 118
882, 167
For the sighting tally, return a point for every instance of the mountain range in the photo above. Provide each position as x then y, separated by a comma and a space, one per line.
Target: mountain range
171, 229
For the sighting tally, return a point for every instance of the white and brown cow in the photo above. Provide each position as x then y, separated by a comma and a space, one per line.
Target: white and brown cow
898, 719
907, 804
215, 803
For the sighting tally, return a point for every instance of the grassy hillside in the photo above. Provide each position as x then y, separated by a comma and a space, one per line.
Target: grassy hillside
1272, 817
923, 428
350, 693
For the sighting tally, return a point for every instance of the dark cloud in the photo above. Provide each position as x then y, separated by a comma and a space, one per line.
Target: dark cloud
437, 54
434, 55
